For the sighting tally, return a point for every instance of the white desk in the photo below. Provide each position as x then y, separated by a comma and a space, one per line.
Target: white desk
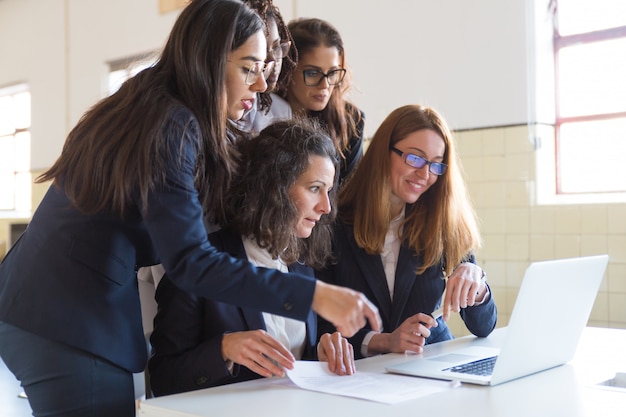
566, 391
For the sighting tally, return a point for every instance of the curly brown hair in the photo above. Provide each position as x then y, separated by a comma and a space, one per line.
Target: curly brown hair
258, 202
268, 13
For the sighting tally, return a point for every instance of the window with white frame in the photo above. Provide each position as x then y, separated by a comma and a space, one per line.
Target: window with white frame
590, 84
15, 176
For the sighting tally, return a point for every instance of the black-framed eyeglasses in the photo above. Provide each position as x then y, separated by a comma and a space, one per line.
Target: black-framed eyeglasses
416, 161
279, 51
258, 69
313, 77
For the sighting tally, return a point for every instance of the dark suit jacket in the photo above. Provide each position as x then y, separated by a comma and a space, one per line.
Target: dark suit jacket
413, 294
188, 333
71, 277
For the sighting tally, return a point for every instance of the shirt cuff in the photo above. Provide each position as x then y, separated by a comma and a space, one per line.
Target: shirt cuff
365, 343
486, 297
230, 365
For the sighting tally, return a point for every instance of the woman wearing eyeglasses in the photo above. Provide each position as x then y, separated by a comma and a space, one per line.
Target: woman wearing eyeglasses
270, 107
319, 84
405, 224
130, 188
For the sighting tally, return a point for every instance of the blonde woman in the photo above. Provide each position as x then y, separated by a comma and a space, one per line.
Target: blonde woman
407, 231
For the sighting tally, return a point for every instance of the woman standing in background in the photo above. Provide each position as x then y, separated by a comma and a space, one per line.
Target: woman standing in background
269, 106
318, 87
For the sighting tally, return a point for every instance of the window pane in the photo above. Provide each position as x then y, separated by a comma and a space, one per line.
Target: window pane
581, 16
21, 103
7, 169
15, 120
7, 124
591, 78
139, 66
116, 79
22, 152
591, 156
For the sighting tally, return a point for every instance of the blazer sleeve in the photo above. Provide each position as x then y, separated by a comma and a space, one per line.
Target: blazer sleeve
327, 274
185, 356
188, 333
480, 320
174, 223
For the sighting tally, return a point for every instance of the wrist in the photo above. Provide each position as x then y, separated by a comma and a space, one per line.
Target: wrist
318, 295
483, 283
483, 292
378, 343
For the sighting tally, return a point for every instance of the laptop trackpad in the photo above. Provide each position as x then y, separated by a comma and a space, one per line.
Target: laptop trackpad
453, 358
464, 355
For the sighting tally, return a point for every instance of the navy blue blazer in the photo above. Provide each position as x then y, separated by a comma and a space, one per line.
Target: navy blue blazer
71, 277
413, 294
188, 333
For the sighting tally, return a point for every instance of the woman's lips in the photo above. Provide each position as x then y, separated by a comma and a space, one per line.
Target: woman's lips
247, 104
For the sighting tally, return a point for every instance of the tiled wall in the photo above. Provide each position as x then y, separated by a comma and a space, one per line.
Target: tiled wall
499, 164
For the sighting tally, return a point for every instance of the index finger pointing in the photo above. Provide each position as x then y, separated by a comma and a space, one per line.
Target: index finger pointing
372, 315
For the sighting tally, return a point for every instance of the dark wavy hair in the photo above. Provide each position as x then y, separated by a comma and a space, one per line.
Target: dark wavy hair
258, 202
115, 152
340, 117
269, 12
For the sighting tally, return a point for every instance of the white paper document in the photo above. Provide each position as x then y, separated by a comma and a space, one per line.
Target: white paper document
384, 388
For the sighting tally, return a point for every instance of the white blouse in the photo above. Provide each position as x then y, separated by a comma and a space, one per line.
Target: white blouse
291, 333
391, 251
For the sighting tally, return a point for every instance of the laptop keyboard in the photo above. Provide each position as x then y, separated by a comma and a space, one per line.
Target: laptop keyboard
480, 367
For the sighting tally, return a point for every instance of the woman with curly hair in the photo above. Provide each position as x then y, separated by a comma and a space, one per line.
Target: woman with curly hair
270, 107
279, 216
129, 190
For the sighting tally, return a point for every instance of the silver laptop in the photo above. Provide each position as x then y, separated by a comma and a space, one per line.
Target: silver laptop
551, 310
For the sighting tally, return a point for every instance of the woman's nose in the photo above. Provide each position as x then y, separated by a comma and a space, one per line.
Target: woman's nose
324, 205
260, 85
423, 172
324, 83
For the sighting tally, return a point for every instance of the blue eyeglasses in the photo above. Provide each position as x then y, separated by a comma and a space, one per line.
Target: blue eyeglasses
416, 161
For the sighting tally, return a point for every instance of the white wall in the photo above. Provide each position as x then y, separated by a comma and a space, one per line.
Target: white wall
32, 49
466, 58
61, 48
105, 31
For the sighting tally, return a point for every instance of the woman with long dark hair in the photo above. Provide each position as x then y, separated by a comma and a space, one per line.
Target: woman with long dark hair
129, 190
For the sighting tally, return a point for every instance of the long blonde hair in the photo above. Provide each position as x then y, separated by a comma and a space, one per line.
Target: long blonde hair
440, 226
